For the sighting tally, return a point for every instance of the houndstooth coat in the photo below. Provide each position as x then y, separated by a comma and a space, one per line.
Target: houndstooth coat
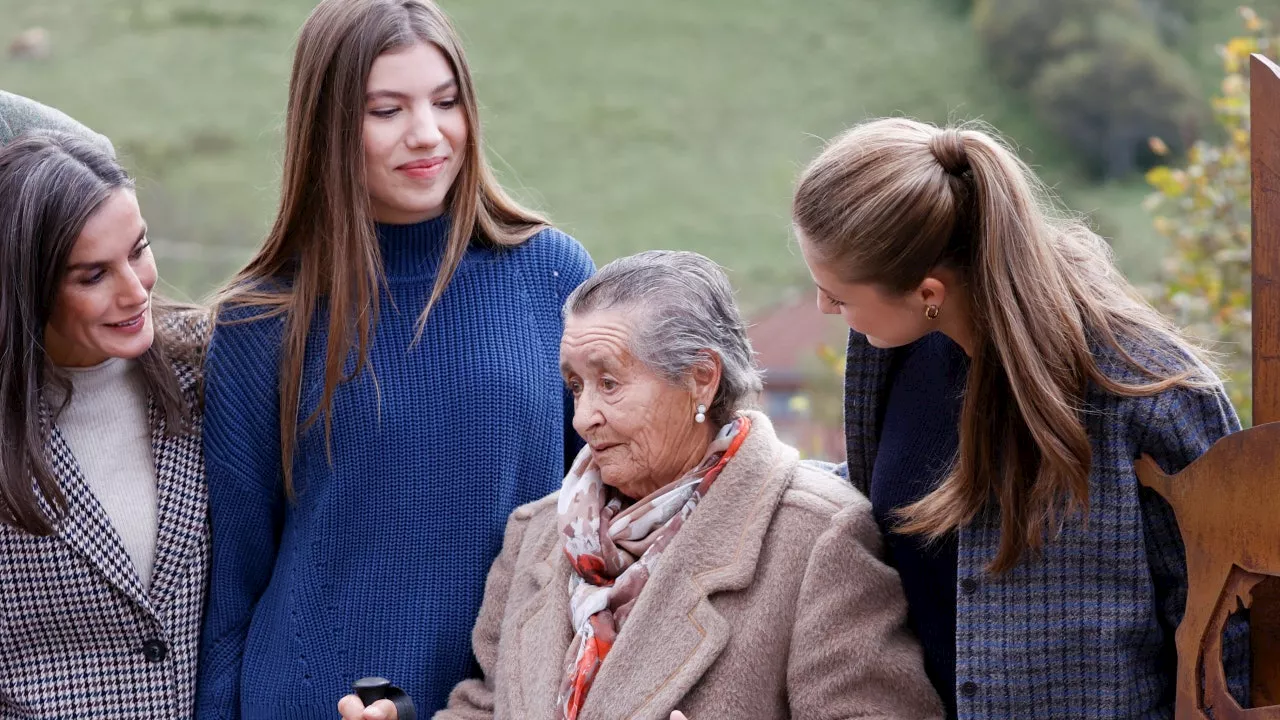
79, 636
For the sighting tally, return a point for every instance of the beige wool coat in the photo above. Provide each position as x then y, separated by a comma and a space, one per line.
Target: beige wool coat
771, 602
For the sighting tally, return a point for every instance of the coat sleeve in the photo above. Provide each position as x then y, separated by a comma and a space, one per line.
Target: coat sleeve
852, 655
473, 699
1178, 427
246, 503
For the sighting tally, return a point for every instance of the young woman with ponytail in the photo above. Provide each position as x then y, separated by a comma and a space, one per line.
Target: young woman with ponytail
1002, 377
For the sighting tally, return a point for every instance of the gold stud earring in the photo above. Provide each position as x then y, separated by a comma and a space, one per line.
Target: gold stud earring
932, 311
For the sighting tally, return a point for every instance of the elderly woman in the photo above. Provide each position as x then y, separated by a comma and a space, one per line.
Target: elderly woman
689, 564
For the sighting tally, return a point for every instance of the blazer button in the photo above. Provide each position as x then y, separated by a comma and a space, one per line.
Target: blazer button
155, 650
968, 586
969, 689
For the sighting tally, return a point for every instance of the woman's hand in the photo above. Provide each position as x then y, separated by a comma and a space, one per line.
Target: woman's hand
677, 715
350, 708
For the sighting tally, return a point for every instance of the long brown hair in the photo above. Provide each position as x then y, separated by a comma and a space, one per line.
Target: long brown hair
323, 243
51, 184
892, 200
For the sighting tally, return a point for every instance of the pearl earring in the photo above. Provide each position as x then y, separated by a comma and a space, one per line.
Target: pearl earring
701, 417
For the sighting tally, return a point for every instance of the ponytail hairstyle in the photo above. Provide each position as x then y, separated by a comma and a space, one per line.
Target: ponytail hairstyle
890, 201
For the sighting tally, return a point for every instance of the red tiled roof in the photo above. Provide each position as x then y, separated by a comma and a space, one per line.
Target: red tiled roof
787, 335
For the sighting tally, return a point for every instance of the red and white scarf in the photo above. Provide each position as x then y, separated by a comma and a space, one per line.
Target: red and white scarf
613, 548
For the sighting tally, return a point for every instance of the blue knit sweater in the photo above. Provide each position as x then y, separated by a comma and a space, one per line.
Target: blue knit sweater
379, 566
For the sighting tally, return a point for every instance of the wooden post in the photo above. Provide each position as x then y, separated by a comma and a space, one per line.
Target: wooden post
1226, 502
1264, 121
1265, 162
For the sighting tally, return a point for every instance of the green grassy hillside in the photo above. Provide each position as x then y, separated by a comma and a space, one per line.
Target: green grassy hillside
663, 123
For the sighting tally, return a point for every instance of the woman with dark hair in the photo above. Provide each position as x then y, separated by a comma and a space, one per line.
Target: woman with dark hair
103, 506
383, 384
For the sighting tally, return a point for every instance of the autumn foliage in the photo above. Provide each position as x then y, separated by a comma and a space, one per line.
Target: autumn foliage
1202, 207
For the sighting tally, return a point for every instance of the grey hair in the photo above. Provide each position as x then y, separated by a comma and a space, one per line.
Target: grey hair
682, 309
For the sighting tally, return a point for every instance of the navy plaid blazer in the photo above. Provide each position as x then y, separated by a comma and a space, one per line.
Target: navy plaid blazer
1086, 629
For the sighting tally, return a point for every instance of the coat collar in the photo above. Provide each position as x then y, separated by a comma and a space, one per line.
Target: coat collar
181, 512
182, 499
543, 631
675, 633
85, 527
866, 377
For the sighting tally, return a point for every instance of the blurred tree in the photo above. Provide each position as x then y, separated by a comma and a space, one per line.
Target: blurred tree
1016, 33
1097, 72
1111, 92
1203, 209
824, 383
1171, 18
822, 403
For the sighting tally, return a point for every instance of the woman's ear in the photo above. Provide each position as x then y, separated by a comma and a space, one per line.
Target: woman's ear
705, 378
932, 291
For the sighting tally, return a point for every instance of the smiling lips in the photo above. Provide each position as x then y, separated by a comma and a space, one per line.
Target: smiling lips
133, 324
423, 169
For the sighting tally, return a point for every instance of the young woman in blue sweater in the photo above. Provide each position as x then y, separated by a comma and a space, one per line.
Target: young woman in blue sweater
382, 384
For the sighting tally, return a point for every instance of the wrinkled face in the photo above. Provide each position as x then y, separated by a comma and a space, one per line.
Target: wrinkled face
640, 427
887, 320
103, 305
415, 134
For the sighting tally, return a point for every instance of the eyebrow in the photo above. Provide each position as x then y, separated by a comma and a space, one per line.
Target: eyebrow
93, 265
397, 95
593, 362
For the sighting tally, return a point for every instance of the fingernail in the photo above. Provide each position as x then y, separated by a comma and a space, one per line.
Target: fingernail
375, 714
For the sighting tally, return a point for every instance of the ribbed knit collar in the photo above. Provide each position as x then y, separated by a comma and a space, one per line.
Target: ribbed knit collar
91, 380
107, 371
413, 250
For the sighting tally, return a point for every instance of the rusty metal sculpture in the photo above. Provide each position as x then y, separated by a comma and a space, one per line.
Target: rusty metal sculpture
1228, 501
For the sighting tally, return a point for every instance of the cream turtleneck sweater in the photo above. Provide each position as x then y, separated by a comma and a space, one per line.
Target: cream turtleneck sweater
108, 430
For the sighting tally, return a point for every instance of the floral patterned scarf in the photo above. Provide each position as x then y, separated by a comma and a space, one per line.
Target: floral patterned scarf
613, 549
